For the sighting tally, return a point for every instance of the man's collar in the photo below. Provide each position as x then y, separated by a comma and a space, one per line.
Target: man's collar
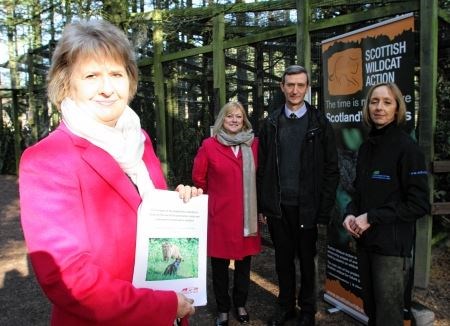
299, 113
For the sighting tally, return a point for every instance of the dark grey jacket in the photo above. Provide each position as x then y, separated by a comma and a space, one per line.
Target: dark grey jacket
319, 173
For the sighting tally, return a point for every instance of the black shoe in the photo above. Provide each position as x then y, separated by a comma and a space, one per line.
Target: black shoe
306, 320
222, 319
242, 315
281, 316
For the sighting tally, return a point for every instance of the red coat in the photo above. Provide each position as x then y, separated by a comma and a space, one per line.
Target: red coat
219, 172
78, 213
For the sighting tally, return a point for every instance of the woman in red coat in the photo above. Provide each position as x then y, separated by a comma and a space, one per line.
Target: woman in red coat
225, 168
81, 188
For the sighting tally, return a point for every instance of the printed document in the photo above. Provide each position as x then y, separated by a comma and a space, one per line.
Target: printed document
171, 245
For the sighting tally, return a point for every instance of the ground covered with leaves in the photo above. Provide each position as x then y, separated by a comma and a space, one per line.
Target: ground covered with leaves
22, 302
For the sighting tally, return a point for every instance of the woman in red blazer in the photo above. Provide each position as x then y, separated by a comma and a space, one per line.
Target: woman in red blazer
225, 168
81, 188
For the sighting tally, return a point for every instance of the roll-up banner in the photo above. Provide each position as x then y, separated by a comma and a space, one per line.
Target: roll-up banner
352, 63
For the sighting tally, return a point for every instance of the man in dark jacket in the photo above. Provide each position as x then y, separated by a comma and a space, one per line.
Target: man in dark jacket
297, 179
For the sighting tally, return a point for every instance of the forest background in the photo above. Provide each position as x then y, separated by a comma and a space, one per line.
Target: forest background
29, 30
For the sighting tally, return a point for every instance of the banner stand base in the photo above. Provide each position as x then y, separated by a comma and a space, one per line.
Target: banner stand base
333, 310
342, 307
422, 316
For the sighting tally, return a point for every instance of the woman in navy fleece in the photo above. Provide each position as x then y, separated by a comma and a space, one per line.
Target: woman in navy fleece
391, 193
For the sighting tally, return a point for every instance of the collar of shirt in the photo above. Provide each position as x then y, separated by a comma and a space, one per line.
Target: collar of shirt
235, 150
299, 113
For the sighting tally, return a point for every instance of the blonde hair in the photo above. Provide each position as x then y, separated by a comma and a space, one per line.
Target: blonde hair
401, 105
94, 38
227, 108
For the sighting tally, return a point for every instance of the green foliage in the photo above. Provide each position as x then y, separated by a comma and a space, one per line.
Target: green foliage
442, 134
441, 224
185, 145
7, 160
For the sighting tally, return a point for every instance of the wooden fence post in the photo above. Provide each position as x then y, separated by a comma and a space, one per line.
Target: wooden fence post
427, 122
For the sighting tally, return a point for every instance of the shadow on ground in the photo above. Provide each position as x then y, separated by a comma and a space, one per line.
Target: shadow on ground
22, 302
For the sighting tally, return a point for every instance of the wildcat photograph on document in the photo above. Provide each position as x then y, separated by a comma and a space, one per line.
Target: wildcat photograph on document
172, 258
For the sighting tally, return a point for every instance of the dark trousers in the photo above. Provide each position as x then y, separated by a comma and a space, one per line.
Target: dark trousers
291, 241
383, 280
241, 281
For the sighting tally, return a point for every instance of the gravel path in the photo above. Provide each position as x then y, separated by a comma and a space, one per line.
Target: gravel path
22, 302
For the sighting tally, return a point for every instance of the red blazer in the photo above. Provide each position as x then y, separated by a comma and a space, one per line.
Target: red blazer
219, 172
78, 213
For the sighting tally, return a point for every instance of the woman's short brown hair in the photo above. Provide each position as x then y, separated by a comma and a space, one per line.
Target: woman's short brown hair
401, 105
227, 108
98, 39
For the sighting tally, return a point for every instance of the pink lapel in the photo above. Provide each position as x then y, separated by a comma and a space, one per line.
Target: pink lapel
103, 163
111, 172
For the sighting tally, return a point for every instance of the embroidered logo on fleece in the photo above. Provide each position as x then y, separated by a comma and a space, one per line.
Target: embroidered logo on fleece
377, 175
420, 172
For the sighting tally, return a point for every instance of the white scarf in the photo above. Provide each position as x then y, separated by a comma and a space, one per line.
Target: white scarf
124, 142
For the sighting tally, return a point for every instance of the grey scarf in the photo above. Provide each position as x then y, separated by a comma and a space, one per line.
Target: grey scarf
245, 139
